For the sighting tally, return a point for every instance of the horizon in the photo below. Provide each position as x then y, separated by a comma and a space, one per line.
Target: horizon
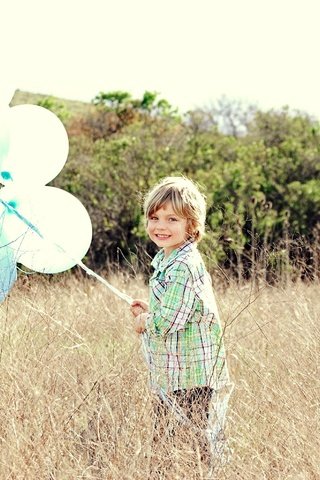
211, 103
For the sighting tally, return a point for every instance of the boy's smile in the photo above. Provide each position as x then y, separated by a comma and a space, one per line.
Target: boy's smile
167, 229
158, 235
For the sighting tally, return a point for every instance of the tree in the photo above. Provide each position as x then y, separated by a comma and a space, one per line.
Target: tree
232, 116
121, 101
115, 100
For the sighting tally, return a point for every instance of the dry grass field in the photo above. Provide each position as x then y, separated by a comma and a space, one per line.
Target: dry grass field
74, 395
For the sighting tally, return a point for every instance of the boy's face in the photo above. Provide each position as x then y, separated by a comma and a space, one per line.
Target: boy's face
166, 229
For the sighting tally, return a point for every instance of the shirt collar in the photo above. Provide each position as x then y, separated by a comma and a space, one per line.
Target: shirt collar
161, 263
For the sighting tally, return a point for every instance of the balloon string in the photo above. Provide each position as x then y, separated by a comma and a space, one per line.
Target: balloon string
11, 209
117, 292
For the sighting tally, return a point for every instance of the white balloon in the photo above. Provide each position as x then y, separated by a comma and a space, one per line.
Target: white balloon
4, 136
39, 146
49, 228
11, 226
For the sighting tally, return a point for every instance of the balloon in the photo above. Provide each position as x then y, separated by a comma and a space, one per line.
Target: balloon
44, 228
12, 223
4, 136
49, 228
38, 146
8, 268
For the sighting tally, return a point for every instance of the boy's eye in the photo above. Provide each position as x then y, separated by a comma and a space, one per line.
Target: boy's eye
153, 217
173, 219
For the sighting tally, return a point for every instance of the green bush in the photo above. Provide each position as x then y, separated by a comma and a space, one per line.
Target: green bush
262, 188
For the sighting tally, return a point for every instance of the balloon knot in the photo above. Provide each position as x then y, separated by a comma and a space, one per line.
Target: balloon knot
13, 204
6, 175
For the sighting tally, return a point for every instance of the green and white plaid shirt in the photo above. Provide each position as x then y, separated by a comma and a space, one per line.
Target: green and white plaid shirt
183, 334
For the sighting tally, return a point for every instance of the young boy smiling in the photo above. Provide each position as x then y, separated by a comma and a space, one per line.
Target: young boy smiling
180, 324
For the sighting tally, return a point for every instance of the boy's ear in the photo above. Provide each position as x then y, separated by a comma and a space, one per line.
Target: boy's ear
191, 229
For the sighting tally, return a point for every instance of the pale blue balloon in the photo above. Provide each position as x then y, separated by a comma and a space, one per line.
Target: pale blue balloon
8, 268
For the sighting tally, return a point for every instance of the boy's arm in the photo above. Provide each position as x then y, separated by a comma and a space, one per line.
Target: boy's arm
140, 322
139, 308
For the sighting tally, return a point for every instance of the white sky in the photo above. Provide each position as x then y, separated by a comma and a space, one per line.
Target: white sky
190, 51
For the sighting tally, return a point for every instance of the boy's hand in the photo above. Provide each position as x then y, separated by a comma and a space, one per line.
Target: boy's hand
138, 306
140, 322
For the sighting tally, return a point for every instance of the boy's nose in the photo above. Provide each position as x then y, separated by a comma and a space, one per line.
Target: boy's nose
161, 225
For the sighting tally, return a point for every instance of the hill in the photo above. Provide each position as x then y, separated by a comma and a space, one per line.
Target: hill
75, 107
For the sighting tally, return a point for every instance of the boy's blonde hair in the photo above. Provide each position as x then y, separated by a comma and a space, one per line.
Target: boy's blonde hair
186, 199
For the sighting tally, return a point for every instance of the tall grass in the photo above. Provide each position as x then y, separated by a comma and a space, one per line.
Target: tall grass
74, 398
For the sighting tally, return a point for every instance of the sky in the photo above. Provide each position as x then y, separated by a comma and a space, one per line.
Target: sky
264, 52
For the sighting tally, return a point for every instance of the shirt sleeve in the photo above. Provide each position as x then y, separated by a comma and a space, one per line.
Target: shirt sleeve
176, 303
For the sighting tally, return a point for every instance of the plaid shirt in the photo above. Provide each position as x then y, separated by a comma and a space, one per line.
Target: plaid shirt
183, 335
